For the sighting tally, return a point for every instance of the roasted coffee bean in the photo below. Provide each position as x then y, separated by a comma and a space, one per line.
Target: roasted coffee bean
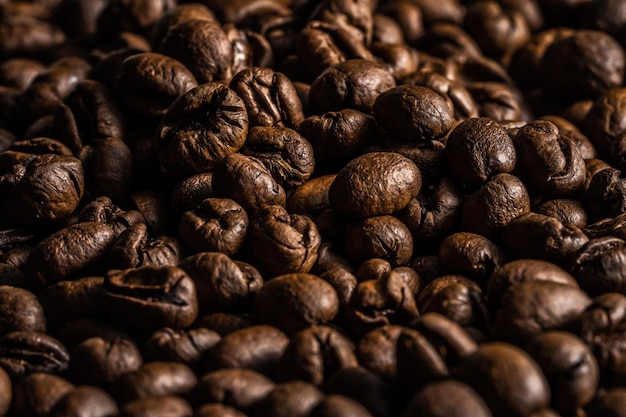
321, 45
49, 188
376, 351
471, 255
569, 366
596, 61
497, 100
364, 387
103, 210
455, 297
450, 398
155, 379
374, 184
221, 283
283, 243
247, 181
338, 134
202, 46
150, 297
494, 205
550, 161
21, 311
537, 236
292, 302
379, 237
133, 16
67, 252
270, 98
290, 399
530, 308
215, 225
37, 394
567, 211
380, 302
185, 346
524, 270
225, 323
257, 347
338, 405
354, 84
108, 168
134, 249
179, 14
191, 192
606, 194
603, 123
100, 362
217, 410
595, 266
478, 149
19, 72
285, 153
85, 401
26, 352
235, 387
413, 113
506, 378
315, 354
202, 127
160, 406
6, 392
82, 294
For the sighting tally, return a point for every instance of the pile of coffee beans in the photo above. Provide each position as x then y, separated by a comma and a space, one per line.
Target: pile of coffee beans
312, 208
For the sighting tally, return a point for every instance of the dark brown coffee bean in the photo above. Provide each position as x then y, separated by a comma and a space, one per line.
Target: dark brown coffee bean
247, 181
413, 113
160, 406
134, 16
375, 184
497, 100
21, 311
596, 63
507, 379
191, 192
290, 399
471, 255
134, 249
24, 35
176, 15
184, 346
354, 84
596, 266
524, 270
49, 188
100, 362
225, 323
82, 295
67, 252
335, 405
238, 388
202, 46
6, 392
201, 128
379, 237
567, 211
292, 302
221, 283
530, 308
155, 379
376, 351
281, 243
477, 149
338, 134
380, 302
258, 348
19, 72
569, 366
315, 354
537, 236
285, 153
494, 205
321, 45
37, 394
450, 398
270, 97
217, 410
215, 225
85, 401
25, 352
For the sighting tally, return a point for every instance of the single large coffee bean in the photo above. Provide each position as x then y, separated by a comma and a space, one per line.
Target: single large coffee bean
294, 301
201, 128
446, 398
150, 297
375, 184
507, 379
36, 395
20, 310
24, 352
